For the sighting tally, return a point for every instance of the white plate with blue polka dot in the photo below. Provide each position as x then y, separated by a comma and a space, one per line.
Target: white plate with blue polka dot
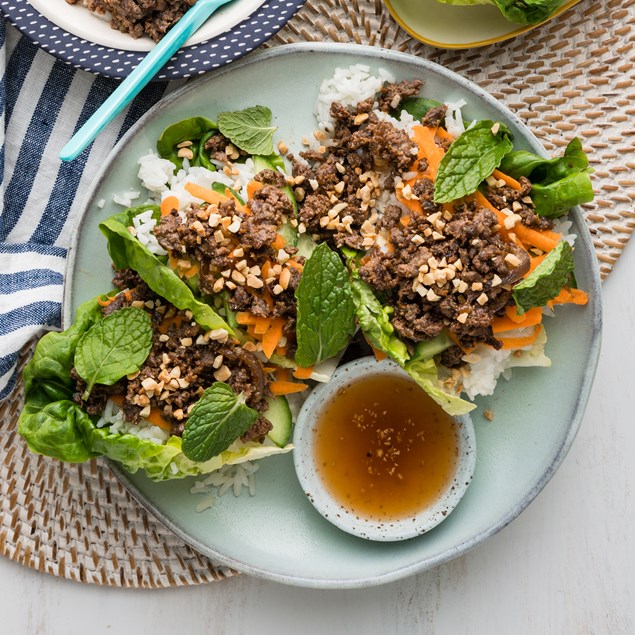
74, 35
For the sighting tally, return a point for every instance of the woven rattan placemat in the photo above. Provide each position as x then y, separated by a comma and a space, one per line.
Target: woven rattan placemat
572, 77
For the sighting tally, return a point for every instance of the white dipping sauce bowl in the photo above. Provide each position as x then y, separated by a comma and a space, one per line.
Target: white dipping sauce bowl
308, 474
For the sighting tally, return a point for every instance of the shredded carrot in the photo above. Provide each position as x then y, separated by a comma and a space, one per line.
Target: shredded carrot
544, 240
570, 296
186, 272
262, 324
272, 337
266, 296
444, 135
109, 300
279, 242
283, 374
244, 318
205, 193
166, 323
511, 182
512, 313
428, 149
286, 387
281, 350
168, 204
405, 220
269, 369
506, 323
379, 355
535, 261
520, 342
303, 373
295, 264
252, 188
128, 295
155, 417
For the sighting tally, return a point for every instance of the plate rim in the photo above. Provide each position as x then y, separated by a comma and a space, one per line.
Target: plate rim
190, 61
583, 244
390, 5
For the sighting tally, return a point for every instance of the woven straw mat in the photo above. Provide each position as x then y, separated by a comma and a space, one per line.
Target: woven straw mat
571, 77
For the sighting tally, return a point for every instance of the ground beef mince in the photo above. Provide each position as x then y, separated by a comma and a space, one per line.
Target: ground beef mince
516, 202
434, 117
443, 270
152, 18
230, 247
183, 362
392, 95
339, 185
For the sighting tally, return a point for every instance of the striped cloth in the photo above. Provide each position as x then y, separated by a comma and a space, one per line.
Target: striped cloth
42, 102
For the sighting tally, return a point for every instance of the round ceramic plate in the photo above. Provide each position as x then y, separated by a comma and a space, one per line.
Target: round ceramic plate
277, 534
73, 34
455, 26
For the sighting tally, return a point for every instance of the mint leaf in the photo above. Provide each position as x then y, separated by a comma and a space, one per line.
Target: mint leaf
546, 280
249, 129
216, 421
114, 347
469, 160
326, 313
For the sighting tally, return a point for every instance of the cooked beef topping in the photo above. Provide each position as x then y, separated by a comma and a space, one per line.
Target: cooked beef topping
183, 362
517, 202
140, 17
444, 270
392, 95
434, 117
342, 182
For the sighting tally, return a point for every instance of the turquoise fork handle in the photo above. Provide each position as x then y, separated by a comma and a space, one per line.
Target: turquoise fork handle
140, 76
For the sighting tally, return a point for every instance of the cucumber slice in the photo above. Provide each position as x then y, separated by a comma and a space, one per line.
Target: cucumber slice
305, 245
279, 414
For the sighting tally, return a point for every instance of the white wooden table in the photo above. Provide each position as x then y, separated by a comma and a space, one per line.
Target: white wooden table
565, 566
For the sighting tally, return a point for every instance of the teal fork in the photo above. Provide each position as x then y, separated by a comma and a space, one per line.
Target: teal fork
140, 76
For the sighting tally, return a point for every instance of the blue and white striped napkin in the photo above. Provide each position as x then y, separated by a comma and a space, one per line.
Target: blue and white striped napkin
42, 102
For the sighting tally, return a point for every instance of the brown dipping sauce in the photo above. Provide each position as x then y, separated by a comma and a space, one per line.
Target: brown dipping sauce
384, 450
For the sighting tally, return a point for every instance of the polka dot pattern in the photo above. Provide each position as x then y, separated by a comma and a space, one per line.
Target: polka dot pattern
243, 38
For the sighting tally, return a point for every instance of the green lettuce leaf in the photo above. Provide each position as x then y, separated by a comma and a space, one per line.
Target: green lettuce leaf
194, 129
470, 159
372, 316
417, 107
557, 198
558, 183
126, 251
53, 425
544, 171
424, 372
520, 11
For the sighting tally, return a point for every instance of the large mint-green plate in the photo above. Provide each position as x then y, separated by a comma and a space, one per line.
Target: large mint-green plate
277, 534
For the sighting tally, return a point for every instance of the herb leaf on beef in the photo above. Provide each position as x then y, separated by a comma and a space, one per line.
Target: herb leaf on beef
470, 159
249, 129
546, 280
114, 347
326, 313
216, 421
